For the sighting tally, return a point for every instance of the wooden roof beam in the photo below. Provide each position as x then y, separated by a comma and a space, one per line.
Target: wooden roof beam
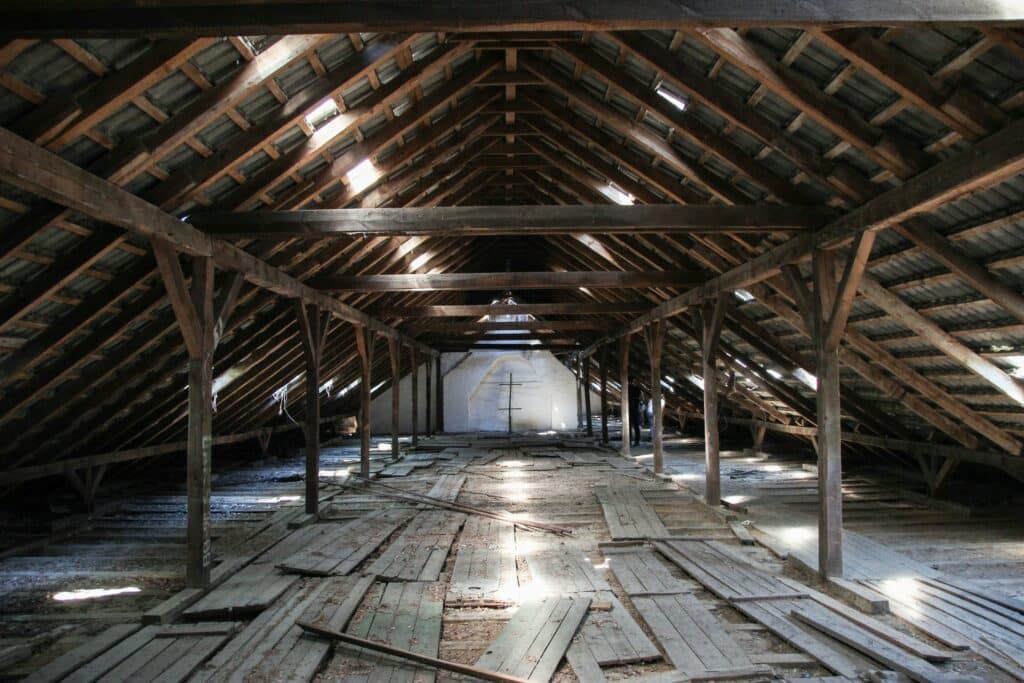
35, 170
503, 281
106, 18
473, 221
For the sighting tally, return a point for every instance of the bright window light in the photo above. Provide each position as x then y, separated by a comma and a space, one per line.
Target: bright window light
92, 593
1018, 366
616, 195
321, 113
774, 373
670, 379
351, 385
743, 295
677, 101
697, 379
420, 260
362, 176
806, 377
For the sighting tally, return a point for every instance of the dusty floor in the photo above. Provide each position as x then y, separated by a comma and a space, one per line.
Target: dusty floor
139, 545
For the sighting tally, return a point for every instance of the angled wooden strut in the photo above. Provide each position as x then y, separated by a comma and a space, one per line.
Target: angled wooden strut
200, 318
313, 327
654, 335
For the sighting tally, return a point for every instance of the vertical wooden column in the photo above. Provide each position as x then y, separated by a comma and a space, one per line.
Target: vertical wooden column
364, 347
577, 370
427, 393
415, 395
655, 337
193, 307
830, 492
604, 394
394, 351
711, 317
313, 331
624, 344
440, 394
585, 370
830, 301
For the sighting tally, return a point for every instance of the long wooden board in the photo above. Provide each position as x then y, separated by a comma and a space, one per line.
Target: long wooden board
535, 640
339, 548
485, 565
627, 514
693, 639
406, 615
640, 572
419, 553
613, 636
271, 647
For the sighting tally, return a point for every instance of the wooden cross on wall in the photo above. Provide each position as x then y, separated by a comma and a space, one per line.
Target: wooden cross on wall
510, 384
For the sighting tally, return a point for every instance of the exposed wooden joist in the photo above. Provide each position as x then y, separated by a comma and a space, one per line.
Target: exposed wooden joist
475, 310
504, 281
41, 172
105, 18
511, 220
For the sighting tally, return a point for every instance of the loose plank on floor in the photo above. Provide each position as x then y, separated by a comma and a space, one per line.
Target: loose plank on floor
418, 554
272, 647
693, 639
535, 640
406, 615
485, 565
334, 548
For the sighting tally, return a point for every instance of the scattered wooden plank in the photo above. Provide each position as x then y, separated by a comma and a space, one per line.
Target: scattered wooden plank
447, 487
640, 572
742, 533
248, 592
560, 569
271, 647
693, 639
535, 640
613, 636
404, 615
485, 565
471, 671
419, 553
876, 648
79, 656
628, 514
339, 548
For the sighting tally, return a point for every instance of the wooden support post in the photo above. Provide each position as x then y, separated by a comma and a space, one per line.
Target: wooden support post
415, 397
586, 395
829, 445
427, 393
604, 394
313, 326
577, 370
440, 394
624, 344
263, 439
655, 336
394, 350
758, 432
364, 347
712, 315
201, 319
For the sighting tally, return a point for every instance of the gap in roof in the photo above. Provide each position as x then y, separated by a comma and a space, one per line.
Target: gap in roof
362, 175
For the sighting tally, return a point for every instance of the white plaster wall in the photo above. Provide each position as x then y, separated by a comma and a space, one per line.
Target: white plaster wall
380, 407
473, 394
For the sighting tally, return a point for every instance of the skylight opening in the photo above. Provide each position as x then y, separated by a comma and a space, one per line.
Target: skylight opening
421, 260
743, 295
774, 373
321, 113
362, 175
349, 387
697, 379
677, 101
618, 196
806, 377
1017, 362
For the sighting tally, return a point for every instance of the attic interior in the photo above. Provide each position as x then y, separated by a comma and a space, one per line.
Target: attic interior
327, 329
